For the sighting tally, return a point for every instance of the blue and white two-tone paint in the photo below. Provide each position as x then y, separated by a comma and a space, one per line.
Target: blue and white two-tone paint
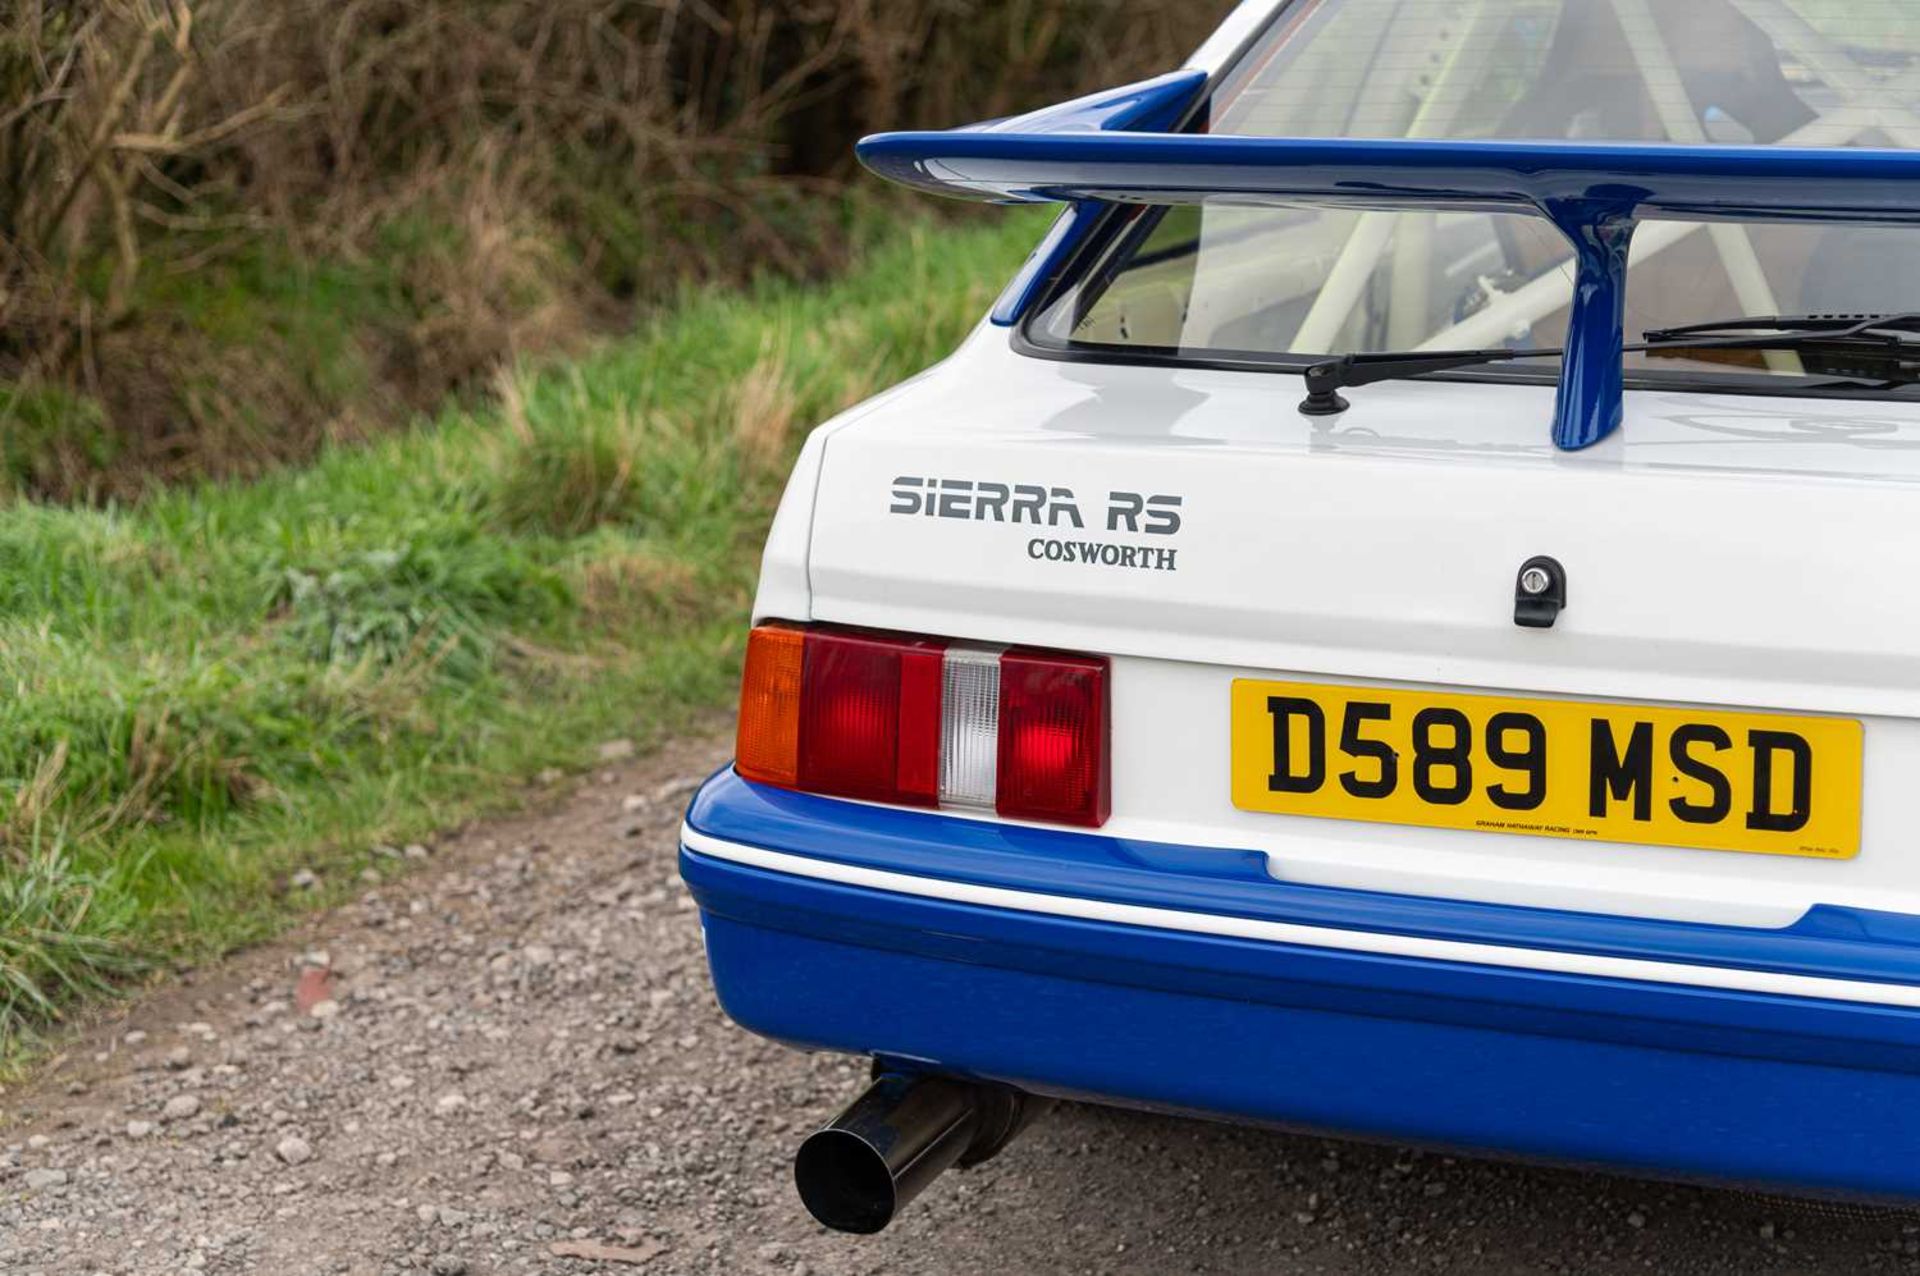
1377, 849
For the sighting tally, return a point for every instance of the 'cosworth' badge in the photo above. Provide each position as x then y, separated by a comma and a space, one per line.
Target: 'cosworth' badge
1051, 507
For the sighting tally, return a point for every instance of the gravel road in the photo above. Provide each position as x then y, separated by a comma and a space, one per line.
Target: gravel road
513, 1056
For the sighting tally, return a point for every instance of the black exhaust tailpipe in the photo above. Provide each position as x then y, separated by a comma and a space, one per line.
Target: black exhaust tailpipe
859, 1170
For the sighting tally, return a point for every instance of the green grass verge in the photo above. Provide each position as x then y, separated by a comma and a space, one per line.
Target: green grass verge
210, 689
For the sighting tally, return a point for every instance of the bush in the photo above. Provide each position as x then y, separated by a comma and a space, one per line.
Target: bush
243, 227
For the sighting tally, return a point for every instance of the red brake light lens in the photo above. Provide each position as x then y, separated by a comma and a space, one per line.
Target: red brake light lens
1053, 738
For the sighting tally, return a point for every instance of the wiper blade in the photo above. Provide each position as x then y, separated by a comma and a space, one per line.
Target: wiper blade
1877, 349
1326, 379
1783, 332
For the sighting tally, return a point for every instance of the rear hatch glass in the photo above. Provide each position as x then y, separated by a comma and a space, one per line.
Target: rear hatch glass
1283, 285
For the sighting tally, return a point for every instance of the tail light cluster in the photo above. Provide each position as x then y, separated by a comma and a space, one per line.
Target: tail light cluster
926, 722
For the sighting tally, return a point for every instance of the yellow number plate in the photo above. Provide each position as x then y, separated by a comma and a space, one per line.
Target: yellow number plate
1553, 768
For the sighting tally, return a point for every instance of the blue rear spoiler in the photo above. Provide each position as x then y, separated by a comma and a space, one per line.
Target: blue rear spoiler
1111, 148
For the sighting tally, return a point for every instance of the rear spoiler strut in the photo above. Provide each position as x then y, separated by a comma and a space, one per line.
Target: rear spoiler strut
1111, 148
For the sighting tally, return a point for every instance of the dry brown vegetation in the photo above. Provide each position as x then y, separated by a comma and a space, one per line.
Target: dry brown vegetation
230, 229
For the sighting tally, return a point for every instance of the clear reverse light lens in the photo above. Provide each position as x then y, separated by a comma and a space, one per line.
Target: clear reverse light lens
970, 726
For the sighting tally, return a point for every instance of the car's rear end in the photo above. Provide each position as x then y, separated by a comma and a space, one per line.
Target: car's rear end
1113, 730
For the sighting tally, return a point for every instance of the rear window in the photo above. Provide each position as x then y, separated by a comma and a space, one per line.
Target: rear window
1269, 285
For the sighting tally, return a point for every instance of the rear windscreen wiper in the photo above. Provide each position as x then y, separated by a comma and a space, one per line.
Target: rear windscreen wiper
1873, 348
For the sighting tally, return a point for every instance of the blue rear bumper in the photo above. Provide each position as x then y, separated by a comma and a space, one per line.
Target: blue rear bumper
1799, 1093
